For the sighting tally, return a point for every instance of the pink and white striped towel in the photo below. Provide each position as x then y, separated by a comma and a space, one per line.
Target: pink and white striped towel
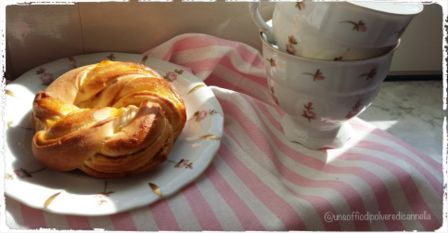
260, 181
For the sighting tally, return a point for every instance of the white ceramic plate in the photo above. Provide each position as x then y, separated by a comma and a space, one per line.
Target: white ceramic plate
27, 181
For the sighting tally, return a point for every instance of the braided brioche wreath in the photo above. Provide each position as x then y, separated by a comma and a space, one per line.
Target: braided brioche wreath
110, 119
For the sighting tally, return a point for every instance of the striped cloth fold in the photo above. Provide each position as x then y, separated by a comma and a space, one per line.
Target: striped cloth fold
260, 181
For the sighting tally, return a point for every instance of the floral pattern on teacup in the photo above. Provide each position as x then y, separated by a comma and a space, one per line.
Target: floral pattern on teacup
369, 75
290, 47
317, 75
359, 26
271, 88
271, 62
355, 110
300, 5
338, 58
308, 112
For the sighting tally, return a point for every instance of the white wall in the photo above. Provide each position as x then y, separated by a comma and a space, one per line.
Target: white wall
38, 34
421, 49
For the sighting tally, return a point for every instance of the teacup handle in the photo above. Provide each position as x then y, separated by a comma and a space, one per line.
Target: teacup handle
259, 21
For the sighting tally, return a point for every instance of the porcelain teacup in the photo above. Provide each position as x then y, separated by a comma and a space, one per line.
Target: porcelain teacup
336, 30
320, 96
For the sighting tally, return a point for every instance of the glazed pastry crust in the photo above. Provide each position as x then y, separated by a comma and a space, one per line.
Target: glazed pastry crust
110, 119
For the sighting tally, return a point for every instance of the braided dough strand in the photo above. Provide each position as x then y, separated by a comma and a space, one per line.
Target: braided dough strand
110, 119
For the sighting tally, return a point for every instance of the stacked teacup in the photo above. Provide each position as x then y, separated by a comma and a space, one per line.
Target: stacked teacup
325, 62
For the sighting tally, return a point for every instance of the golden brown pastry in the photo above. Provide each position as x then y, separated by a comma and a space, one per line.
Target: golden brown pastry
110, 119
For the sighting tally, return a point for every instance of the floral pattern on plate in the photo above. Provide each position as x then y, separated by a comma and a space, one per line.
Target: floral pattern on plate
172, 75
78, 194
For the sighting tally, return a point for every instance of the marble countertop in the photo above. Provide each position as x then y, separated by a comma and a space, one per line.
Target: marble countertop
411, 111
